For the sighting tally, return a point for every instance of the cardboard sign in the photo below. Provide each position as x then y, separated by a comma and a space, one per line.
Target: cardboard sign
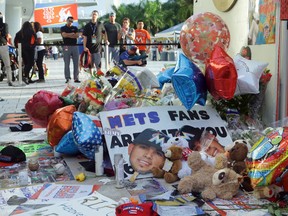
120, 127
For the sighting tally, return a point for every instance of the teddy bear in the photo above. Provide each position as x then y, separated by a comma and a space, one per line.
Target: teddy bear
236, 155
171, 166
201, 179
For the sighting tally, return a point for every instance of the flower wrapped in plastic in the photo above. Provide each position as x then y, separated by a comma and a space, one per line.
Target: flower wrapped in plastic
125, 93
95, 91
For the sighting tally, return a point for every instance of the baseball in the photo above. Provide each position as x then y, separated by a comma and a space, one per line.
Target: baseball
59, 168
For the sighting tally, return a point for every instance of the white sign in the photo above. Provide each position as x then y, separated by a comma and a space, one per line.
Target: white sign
120, 127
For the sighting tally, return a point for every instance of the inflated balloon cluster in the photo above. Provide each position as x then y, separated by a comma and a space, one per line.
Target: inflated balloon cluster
206, 66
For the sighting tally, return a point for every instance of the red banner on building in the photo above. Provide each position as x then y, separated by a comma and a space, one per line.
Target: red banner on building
51, 15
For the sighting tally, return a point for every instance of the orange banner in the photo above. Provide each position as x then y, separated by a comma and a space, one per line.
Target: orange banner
51, 15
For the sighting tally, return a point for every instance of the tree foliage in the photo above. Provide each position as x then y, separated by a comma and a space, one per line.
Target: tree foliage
156, 16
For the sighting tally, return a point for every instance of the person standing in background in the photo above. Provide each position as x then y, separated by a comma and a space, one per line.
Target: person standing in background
112, 29
93, 34
40, 51
4, 51
126, 35
70, 35
142, 37
27, 37
55, 52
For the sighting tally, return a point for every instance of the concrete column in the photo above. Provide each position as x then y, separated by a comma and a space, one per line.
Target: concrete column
14, 19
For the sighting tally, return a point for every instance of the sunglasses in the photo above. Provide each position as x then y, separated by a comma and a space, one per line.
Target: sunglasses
71, 21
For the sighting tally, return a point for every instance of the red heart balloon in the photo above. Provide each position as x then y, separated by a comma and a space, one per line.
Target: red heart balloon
221, 75
59, 124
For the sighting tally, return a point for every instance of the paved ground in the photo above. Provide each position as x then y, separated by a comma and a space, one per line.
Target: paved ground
15, 98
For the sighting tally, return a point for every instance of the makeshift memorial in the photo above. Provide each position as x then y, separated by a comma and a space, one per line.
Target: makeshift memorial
267, 159
117, 127
209, 181
86, 134
67, 145
221, 75
59, 124
42, 105
189, 83
199, 35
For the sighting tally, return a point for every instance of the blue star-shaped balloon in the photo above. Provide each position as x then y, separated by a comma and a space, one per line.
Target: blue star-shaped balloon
189, 83
67, 145
86, 134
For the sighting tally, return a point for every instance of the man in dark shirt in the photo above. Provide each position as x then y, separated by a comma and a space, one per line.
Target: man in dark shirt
4, 51
93, 34
112, 29
70, 35
131, 58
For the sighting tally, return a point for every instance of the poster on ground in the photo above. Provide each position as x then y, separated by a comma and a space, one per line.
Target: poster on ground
122, 126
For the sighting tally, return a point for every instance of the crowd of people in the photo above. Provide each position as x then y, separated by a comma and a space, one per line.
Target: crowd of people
92, 36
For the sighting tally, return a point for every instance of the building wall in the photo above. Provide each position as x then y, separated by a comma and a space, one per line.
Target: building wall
237, 21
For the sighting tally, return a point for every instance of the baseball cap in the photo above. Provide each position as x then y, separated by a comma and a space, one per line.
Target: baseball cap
10, 155
152, 138
191, 134
134, 48
112, 14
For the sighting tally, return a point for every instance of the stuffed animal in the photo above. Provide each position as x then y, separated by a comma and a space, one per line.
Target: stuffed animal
172, 165
201, 179
237, 155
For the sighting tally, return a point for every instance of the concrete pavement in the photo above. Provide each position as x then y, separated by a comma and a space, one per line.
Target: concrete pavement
15, 98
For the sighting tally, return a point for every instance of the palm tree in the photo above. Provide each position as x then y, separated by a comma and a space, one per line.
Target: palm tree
153, 15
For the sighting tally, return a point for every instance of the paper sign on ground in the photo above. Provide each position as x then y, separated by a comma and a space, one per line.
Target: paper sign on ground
95, 204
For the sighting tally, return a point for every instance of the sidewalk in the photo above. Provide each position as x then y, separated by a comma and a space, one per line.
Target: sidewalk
15, 98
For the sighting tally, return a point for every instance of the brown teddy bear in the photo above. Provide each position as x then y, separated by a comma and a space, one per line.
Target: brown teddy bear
202, 177
173, 164
237, 155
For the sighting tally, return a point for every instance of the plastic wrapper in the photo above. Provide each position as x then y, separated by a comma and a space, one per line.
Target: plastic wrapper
125, 93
